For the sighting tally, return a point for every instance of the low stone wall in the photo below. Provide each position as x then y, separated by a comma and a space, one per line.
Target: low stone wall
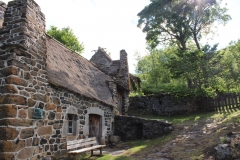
129, 128
159, 104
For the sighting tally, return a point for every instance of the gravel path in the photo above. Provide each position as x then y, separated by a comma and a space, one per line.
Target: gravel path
192, 141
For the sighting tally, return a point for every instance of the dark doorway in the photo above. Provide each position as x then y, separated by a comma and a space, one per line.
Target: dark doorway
139, 130
95, 126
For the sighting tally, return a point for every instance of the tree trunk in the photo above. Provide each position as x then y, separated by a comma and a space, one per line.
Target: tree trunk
196, 41
189, 82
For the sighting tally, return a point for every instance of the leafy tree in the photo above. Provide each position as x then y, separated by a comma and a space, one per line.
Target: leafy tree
198, 67
66, 37
152, 68
230, 65
180, 21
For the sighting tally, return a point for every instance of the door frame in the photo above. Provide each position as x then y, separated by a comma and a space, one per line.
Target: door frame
99, 118
97, 111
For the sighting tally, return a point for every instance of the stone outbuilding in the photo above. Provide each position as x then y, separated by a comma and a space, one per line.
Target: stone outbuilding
48, 93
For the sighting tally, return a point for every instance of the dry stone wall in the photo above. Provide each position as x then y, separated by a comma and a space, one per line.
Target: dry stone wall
129, 128
159, 104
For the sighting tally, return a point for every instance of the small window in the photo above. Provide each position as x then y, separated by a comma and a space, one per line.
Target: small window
72, 123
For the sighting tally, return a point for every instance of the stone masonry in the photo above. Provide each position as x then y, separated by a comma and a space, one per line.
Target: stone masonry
49, 95
2, 12
130, 128
33, 111
118, 70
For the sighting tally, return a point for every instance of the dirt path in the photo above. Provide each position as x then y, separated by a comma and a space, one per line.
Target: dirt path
191, 141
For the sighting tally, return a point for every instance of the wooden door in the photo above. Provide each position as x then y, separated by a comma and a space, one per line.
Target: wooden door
95, 126
119, 94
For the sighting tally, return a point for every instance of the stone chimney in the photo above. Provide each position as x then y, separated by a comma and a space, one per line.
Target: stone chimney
24, 25
123, 76
3, 7
123, 71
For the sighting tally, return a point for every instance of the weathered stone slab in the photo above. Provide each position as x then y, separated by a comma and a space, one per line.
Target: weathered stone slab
16, 80
39, 97
7, 56
11, 146
8, 89
12, 70
31, 102
25, 153
13, 99
59, 109
26, 133
16, 122
8, 111
18, 64
44, 130
51, 116
7, 133
50, 106
5, 156
24, 93
56, 100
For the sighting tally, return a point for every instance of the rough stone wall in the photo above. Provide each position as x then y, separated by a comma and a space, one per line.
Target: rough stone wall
125, 104
129, 128
23, 81
125, 98
113, 89
123, 74
24, 88
158, 104
24, 24
61, 100
2, 12
123, 78
101, 60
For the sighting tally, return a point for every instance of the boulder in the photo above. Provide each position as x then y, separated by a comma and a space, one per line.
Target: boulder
223, 152
115, 139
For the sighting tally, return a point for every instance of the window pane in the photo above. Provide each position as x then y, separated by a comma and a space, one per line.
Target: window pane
70, 123
69, 130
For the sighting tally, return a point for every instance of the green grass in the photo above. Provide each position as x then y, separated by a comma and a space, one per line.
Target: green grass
142, 147
135, 147
110, 157
227, 115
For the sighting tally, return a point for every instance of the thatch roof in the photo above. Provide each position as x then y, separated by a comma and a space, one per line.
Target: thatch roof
71, 71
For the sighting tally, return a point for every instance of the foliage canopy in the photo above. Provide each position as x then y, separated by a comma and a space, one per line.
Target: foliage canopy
184, 65
66, 37
180, 21
207, 69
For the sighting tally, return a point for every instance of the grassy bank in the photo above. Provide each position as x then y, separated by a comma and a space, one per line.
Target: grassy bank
140, 148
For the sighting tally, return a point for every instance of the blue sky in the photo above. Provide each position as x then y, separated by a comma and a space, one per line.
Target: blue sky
112, 24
